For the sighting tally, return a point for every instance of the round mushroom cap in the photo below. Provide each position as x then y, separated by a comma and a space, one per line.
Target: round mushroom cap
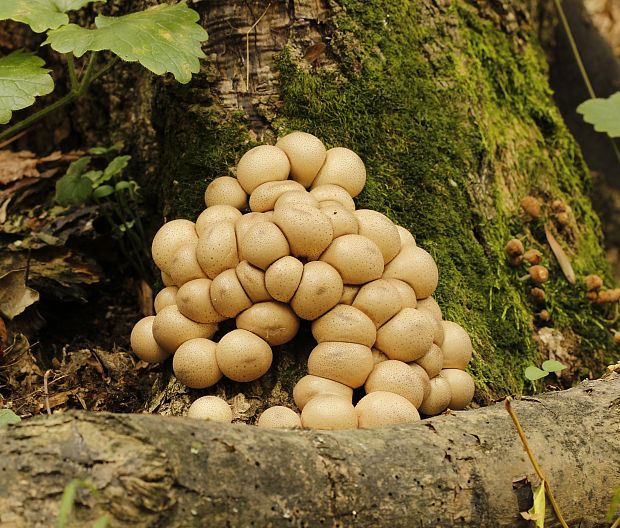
380, 408
349, 292
378, 356
263, 244
171, 329
168, 239
430, 305
328, 411
167, 279
407, 336
282, 278
265, 196
347, 363
194, 301
253, 281
397, 377
345, 323
309, 386
357, 259
248, 220
379, 300
426, 381
319, 290
307, 230
406, 238
275, 322
432, 361
227, 295
438, 398
462, 388
417, 268
165, 297
260, 165
143, 343
439, 332
185, 265
216, 214
342, 167
243, 356
333, 193
381, 230
343, 221
212, 409
306, 154
194, 364
407, 295
279, 417
217, 249
226, 191
457, 348
296, 197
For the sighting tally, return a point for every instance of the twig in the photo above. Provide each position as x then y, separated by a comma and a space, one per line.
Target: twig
46, 392
537, 468
14, 138
247, 48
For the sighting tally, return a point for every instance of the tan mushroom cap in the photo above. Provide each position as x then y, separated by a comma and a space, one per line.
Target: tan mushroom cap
439, 332
349, 293
307, 230
282, 278
333, 193
417, 268
381, 230
248, 220
185, 265
357, 259
422, 374
194, 301
167, 279
347, 363
397, 377
263, 244
279, 417
306, 154
165, 297
379, 300
168, 239
439, 397
194, 364
275, 322
216, 214
265, 196
462, 388
260, 165
143, 343
343, 221
432, 361
227, 295
430, 305
407, 336
253, 281
342, 167
380, 408
457, 348
217, 249
212, 409
406, 238
345, 323
226, 191
243, 356
407, 295
171, 329
296, 197
378, 356
309, 386
328, 411
319, 290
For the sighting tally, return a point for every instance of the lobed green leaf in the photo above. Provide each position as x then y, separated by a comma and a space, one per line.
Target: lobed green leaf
75, 187
604, 114
553, 366
8, 417
40, 15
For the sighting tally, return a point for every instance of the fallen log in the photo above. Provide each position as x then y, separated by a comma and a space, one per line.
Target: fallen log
463, 469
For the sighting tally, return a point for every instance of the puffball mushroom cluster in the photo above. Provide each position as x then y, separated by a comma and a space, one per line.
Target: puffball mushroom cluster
303, 252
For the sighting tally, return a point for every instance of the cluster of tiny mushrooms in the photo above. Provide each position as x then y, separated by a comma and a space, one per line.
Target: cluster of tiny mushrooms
303, 251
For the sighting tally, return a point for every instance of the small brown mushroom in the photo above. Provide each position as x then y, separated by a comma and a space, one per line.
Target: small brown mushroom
539, 274
538, 295
531, 206
533, 256
593, 283
514, 247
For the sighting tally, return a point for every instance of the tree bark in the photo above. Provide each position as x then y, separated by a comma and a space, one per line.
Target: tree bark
465, 469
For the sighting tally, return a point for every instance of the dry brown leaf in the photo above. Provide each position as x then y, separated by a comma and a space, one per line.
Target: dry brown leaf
17, 165
15, 296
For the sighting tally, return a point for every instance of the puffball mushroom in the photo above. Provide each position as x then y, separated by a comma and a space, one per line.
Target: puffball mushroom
345, 323
282, 278
253, 281
343, 221
347, 363
380, 408
214, 215
349, 293
217, 249
309, 386
265, 196
165, 297
226, 191
307, 230
432, 361
397, 377
462, 388
279, 417
430, 305
194, 301
168, 239
275, 322
333, 193
379, 300
417, 268
211, 409
143, 343
423, 375
457, 348
306, 154
296, 197
171, 329
227, 295
167, 279
438, 398
378, 356
194, 364
184, 265
407, 295
407, 336
357, 259
262, 164
328, 411
381, 230
342, 167
406, 238
246, 221
243, 356
263, 244
319, 290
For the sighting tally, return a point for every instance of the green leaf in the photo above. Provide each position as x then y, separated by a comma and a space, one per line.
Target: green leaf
553, 366
75, 187
8, 417
604, 114
22, 78
74, 5
103, 191
40, 15
534, 373
116, 166
102, 522
126, 226
102, 151
164, 38
122, 185
537, 512
614, 506
94, 176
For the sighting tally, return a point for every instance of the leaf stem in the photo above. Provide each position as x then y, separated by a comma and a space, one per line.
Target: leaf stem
109, 65
72, 75
534, 462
